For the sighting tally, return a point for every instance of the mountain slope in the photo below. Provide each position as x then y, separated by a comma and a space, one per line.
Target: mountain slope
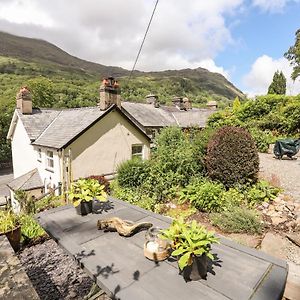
34, 50
49, 57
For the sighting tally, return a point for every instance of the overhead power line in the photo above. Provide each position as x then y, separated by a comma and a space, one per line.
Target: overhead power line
142, 44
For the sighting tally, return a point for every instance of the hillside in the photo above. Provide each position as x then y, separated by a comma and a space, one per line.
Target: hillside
49, 59
58, 79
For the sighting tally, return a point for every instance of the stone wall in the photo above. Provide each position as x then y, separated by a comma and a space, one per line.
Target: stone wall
14, 282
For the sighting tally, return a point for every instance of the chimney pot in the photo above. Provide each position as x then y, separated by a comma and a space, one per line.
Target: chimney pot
152, 99
110, 93
24, 100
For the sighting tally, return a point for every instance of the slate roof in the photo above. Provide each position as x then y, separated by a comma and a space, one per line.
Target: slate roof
67, 125
26, 182
55, 128
149, 116
38, 121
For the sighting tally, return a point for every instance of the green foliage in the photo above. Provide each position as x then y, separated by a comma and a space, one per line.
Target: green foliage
30, 229
260, 192
50, 201
27, 203
135, 196
262, 138
293, 55
189, 240
86, 190
232, 156
102, 180
278, 85
203, 194
232, 198
42, 92
181, 211
174, 158
9, 221
132, 173
238, 220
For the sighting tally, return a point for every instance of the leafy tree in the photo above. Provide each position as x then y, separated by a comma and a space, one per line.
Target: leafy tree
278, 85
42, 92
293, 55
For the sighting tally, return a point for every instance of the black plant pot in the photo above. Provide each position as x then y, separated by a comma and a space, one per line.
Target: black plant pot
84, 208
197, 270
14, 237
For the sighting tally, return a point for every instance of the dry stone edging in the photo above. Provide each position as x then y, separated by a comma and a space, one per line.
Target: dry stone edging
14, 282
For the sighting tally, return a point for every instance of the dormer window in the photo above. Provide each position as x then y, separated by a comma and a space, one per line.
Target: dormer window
39, 154
49, 160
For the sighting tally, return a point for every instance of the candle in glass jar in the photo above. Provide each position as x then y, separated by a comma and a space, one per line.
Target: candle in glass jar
152, 246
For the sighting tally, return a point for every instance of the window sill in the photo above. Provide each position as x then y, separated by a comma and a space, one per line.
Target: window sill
49, 170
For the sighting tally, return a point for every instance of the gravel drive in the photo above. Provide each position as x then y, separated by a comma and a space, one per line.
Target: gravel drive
54, 274
284, 172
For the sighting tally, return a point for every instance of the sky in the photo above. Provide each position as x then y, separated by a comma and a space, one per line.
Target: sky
245, 40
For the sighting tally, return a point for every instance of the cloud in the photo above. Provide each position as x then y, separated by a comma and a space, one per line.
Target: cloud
272, 6
185, 34
261, 74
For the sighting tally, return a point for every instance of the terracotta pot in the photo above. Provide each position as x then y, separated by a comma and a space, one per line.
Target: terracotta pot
14, 238
84, 208
197, 270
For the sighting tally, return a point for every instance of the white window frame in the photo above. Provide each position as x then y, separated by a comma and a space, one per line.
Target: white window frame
137, 154
49, 160
39, 154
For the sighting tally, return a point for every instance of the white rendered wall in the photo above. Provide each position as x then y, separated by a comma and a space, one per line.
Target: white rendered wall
23, 154
48, 176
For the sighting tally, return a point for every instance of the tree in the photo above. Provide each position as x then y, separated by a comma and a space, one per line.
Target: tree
293, 55
42, 92
278, 85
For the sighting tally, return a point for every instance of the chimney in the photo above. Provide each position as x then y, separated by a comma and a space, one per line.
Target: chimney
152, 99
24, 101
187, 104
178, 102
110, 93
212, 105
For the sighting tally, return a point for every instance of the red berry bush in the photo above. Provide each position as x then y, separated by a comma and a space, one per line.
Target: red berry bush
232, 156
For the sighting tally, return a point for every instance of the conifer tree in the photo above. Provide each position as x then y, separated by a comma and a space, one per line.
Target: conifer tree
278, 85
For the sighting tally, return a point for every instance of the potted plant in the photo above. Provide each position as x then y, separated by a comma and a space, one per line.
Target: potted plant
83, 191
191, 244
10, 226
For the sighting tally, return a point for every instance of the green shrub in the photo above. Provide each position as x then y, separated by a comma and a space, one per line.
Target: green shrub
260, 192
262, 139
232, 198
132, 173
174, 156
232, 156
203, 194
200, 141
50, 201
238, 220
135, 196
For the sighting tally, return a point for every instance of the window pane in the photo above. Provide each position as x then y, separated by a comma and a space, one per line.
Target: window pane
137, 149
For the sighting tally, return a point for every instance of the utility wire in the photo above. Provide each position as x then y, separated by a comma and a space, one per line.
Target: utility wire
139, 52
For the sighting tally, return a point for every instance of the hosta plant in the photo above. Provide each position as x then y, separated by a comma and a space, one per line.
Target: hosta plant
86, 190
189, 240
